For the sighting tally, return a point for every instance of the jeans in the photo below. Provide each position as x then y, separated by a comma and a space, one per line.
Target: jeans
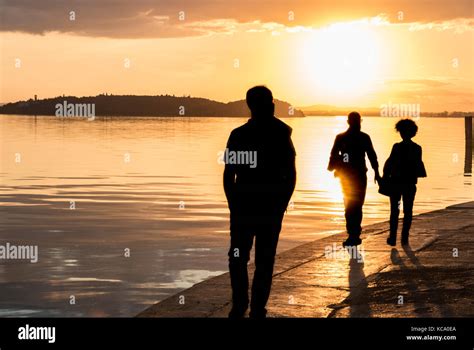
354, 186
405, 192
266, 230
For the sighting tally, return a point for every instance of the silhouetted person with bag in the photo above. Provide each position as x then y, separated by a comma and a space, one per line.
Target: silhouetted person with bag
258, 195
402, 170
348, 161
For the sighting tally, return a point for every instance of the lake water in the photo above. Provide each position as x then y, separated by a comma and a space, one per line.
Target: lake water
127, 211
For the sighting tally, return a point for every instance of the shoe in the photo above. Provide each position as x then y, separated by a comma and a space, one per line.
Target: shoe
391, 241
350, 242
261, 314
237, 313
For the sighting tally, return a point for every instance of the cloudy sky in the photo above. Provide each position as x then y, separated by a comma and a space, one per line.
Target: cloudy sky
332, 52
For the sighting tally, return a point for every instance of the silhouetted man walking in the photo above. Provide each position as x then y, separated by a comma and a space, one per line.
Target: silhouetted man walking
348, 161
259, 179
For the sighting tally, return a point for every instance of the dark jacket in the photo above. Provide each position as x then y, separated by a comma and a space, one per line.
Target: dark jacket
405, 164
348, 153
268, 186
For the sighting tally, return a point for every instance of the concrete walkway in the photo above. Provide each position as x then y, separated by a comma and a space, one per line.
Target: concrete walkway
433, 277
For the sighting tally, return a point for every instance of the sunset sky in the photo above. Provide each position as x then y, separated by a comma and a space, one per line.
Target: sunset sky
331, 52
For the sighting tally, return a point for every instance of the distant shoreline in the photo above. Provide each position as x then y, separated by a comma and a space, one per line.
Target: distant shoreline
143, 106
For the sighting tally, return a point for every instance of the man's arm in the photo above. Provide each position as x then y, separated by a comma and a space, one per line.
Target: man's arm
229, 184
334, 156
229, 175
291, 171
373, 158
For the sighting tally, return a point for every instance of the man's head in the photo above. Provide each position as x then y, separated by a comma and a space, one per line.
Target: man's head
354, 120
407, 128
260, 102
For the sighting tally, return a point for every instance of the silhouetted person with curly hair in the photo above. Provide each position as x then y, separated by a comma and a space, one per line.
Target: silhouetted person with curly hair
258, 195
402, 170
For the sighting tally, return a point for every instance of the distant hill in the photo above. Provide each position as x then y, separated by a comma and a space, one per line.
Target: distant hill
130, 105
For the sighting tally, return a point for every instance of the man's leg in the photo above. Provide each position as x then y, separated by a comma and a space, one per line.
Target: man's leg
241, 239
354, 189
358, 203
348, 193
408, 200
266, 242
349, 213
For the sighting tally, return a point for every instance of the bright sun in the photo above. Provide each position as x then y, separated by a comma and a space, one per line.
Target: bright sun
341, 61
